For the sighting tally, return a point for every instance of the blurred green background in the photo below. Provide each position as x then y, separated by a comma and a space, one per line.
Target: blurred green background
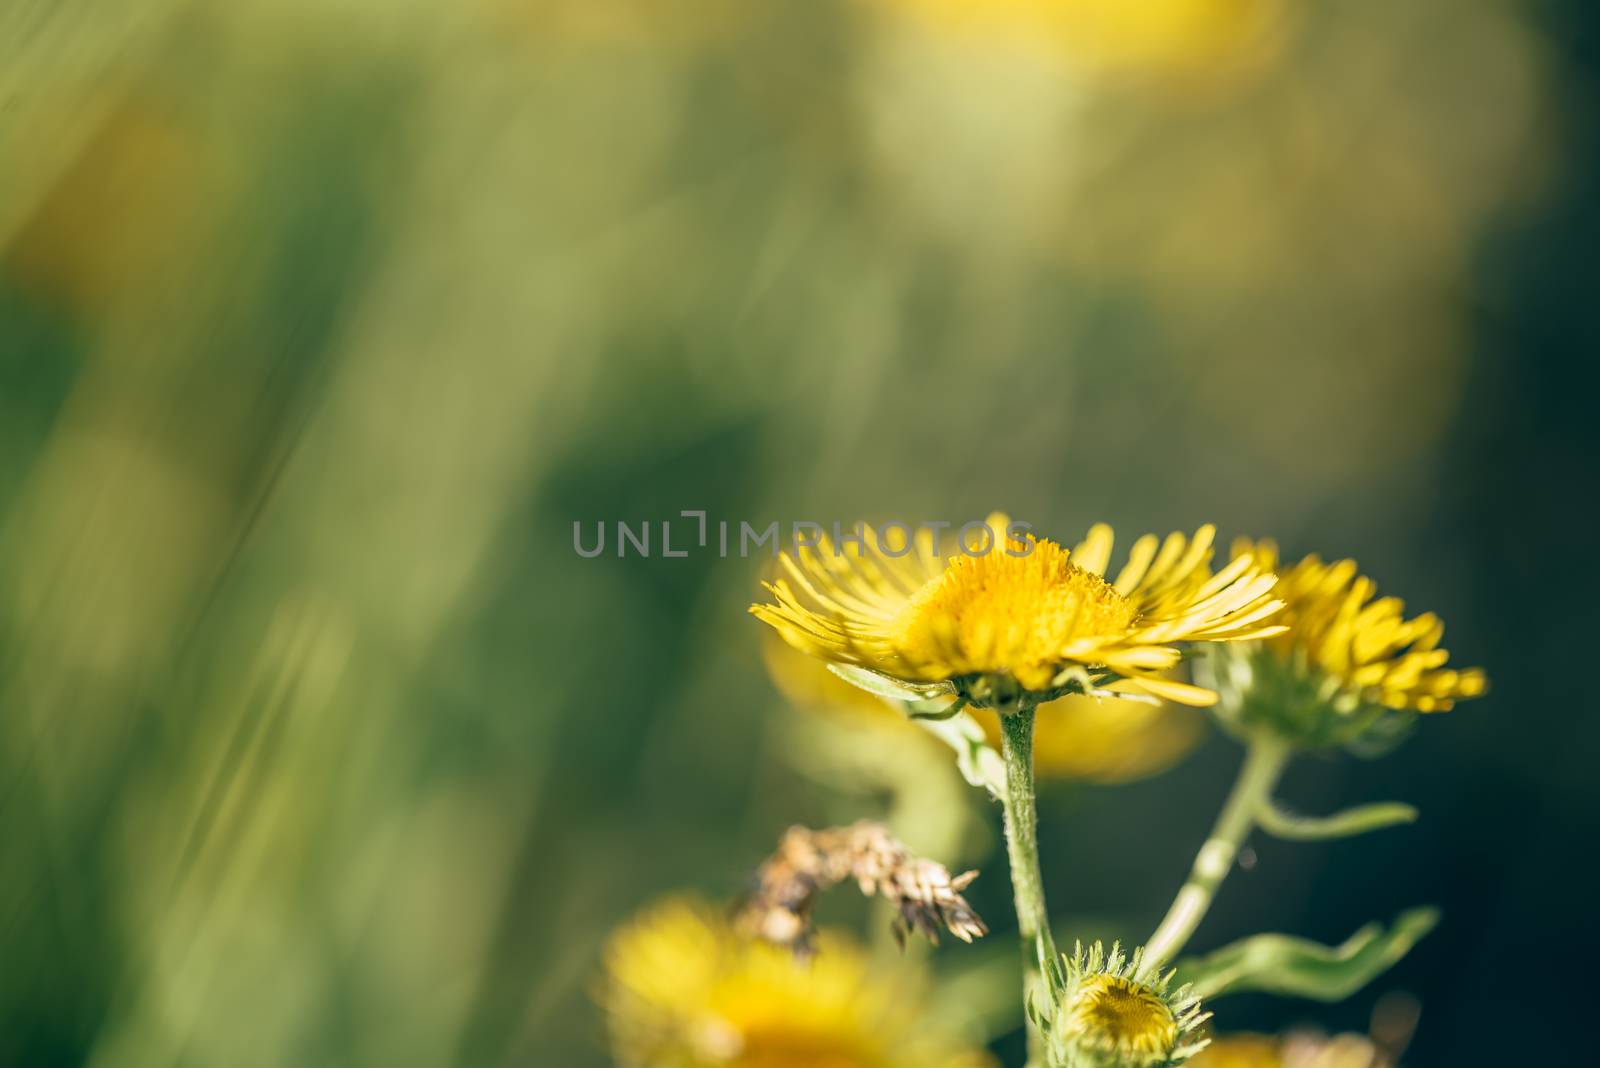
322, 322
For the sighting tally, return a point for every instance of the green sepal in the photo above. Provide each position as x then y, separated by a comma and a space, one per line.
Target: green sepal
1298, 967
979, 764
1352, 821
1262, 693
1037, 1016
1052, 966
880, 685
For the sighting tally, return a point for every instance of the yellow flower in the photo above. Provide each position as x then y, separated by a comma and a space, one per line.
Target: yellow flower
1130, 1017
684, 990
1349, 667
1105, 1016
1366, 645
1017, 618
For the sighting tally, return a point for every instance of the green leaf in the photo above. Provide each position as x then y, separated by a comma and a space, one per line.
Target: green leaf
885, 687
1297, 967
1275, 821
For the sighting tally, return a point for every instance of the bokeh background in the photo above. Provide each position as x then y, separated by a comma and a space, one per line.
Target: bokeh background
322, 322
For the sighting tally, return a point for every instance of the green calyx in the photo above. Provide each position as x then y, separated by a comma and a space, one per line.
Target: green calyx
1103, 1013
1261, 692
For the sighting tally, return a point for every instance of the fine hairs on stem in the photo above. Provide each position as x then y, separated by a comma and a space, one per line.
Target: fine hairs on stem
1022, 852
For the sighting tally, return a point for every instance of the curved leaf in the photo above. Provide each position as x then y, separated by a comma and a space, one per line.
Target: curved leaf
885, 687
1281, 824
1298, 967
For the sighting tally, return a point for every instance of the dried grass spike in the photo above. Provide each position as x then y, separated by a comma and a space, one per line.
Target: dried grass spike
928, 899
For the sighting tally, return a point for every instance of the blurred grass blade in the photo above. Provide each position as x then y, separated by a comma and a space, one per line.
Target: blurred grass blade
59, 66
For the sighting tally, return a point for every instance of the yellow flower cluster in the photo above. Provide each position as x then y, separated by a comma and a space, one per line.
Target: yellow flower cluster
1031, 621
1027, 630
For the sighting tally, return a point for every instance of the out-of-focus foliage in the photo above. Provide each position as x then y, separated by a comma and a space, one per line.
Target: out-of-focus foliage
320, 324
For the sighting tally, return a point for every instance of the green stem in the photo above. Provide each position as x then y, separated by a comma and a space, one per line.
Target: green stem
1022, 851
1263, 764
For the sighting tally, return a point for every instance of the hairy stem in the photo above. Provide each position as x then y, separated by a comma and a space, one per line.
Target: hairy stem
1263, 764
1022, 851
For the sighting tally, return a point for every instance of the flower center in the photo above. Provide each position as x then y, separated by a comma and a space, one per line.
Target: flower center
1011, 614
1115, 1012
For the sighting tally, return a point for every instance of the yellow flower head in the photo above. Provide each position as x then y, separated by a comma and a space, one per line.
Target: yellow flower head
1016, 617
1347, 663
1366, 644
1108, 1016
684, 990
1125, 1015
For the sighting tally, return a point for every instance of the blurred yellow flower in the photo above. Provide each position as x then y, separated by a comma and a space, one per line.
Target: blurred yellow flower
1106, 739
1132, 36
1240, 1051
684, 990
1364, 646
1025, 619
1299, 1050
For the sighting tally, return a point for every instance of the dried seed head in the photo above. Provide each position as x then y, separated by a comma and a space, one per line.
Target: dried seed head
808, 862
